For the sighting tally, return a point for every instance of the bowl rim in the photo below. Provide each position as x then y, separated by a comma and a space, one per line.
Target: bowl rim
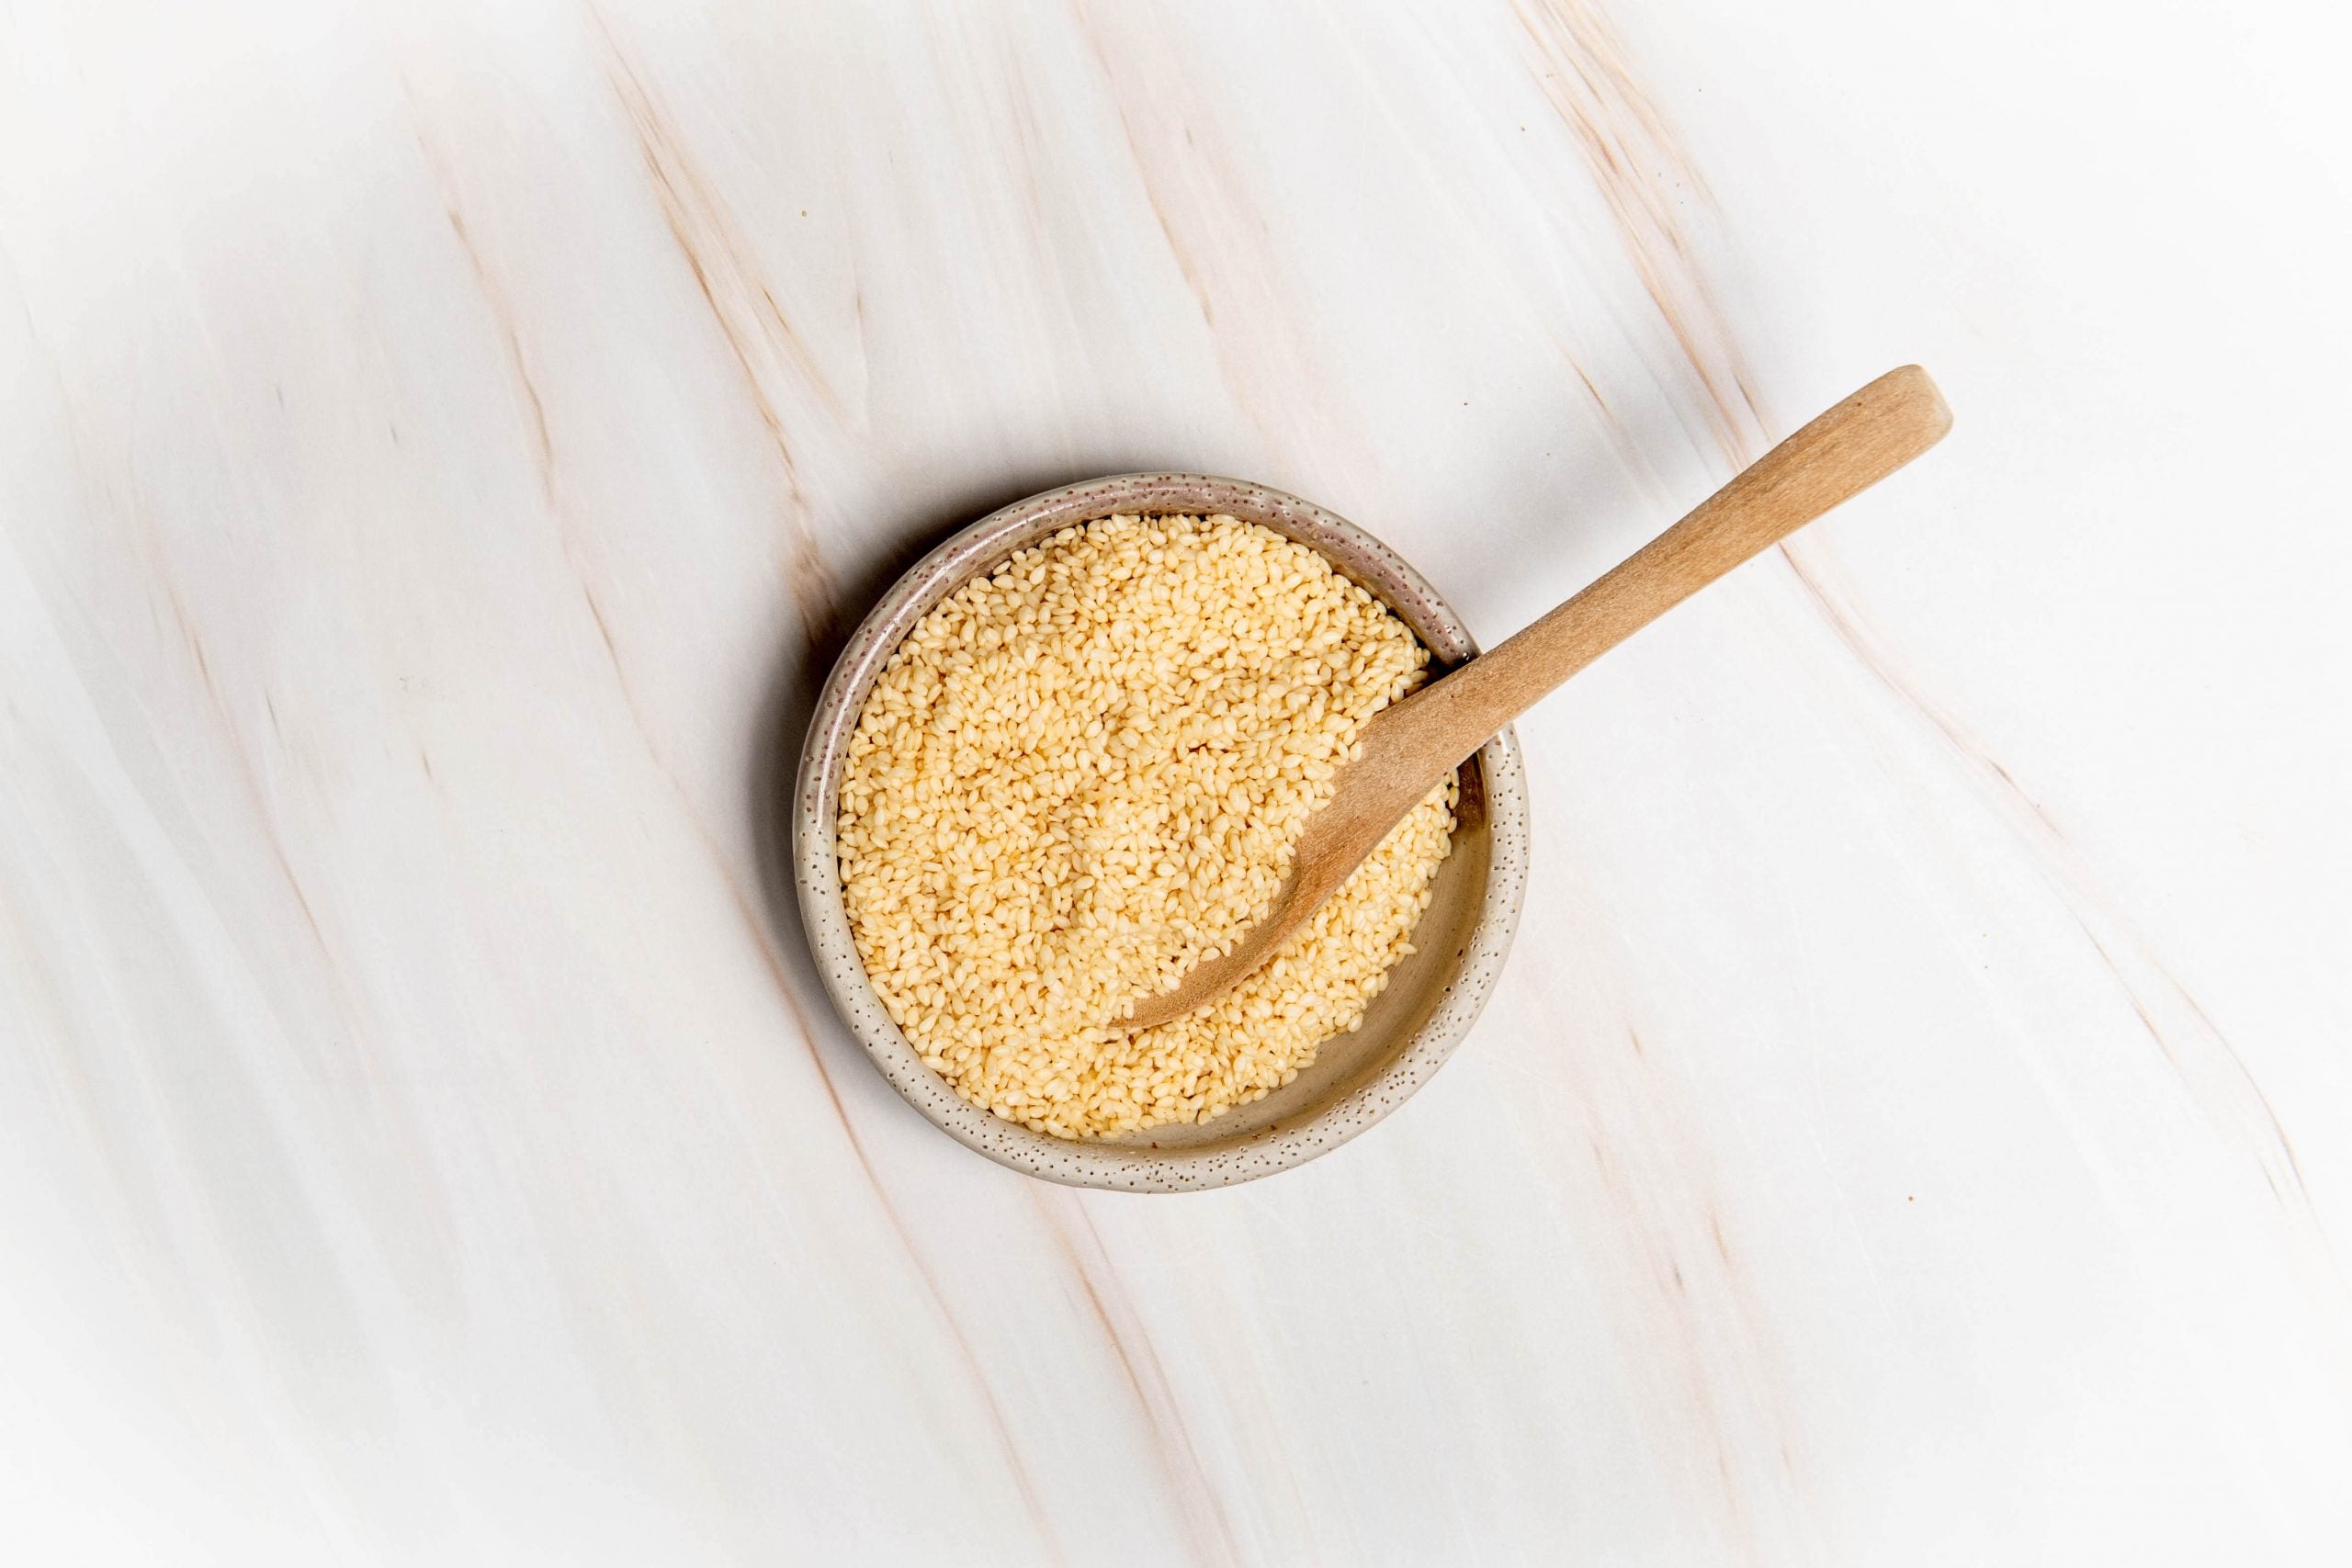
825, 918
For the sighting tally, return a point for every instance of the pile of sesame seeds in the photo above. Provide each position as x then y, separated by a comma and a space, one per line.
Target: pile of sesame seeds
1086, 772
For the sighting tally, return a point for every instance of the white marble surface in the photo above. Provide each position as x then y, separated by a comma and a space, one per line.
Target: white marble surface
1916, 1125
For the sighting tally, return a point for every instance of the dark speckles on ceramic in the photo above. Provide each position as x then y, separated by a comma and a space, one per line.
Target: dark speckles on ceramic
1357, 1078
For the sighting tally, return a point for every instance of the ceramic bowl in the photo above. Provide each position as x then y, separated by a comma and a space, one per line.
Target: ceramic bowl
1357, 1078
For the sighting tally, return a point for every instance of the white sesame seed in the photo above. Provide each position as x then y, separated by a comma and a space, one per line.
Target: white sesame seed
1025, 850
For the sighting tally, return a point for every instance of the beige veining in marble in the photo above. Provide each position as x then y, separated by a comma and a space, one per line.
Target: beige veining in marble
443, 443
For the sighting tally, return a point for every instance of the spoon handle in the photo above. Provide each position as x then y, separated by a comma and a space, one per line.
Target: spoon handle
1836, 458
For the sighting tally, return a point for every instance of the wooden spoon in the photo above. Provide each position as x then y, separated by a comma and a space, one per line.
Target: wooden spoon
1410, 748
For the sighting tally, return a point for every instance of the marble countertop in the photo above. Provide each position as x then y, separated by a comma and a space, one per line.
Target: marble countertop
441, 441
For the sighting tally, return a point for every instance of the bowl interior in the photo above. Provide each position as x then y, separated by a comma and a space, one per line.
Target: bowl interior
1357, 1077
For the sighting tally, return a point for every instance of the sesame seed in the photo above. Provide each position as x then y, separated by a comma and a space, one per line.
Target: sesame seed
1087, 772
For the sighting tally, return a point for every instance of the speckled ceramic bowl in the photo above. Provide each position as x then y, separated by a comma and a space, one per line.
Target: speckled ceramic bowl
1357, 1078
